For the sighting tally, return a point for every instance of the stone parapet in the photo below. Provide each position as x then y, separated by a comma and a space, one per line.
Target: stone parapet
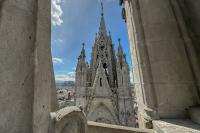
94, 127
175, 126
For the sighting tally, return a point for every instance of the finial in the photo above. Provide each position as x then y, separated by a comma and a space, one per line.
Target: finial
119, 40
83, 44
101, 7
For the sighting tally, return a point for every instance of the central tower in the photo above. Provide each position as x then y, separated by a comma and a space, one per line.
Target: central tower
103, 85
103, 50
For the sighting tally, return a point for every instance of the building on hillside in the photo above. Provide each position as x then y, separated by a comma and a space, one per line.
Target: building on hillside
103, 86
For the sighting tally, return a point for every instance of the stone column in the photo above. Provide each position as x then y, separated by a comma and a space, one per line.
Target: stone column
142, 75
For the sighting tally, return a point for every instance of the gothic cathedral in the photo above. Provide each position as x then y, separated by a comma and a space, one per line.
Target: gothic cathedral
103, 86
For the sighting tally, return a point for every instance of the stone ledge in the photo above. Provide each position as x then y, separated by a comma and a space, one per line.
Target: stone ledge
121, 129
175, 126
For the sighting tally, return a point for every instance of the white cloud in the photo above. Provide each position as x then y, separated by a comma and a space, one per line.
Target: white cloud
59, 40
56, 12
73, 68
57, 61
68, 77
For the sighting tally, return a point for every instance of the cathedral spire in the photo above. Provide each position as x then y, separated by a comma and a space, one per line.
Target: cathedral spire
102, 28
81, 59
110, 37
120, 54
96, 35
120, 50
102, 8
83, 50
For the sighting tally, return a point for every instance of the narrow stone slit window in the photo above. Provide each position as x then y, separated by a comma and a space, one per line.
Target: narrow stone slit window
122, 80
100, 82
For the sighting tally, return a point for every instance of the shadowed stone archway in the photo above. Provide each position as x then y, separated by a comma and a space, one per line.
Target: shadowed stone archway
103, 114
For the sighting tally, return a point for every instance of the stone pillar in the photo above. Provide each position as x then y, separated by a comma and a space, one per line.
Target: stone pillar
164, 81
17, 42
44, 83
146, 98
27, 86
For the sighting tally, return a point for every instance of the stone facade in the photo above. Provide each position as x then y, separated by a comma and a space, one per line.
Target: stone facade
164, 44
103, 87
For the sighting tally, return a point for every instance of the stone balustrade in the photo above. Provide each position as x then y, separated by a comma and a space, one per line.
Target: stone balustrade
95, 127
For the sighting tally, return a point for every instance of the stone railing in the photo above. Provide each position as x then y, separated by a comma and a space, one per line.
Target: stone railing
94, 127
73, 120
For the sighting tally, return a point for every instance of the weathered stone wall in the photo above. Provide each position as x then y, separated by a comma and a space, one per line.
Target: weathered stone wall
17, 41
172, 77
191, 15
26, 76
163, 71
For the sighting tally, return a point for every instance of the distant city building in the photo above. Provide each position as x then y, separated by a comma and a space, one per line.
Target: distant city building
103, 88
65, 96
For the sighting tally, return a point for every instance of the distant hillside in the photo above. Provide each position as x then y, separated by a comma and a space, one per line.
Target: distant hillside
66, 84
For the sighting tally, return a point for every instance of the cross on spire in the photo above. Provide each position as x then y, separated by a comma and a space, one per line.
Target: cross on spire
83, 50
102, 28
101, 7
83, 44
119, 40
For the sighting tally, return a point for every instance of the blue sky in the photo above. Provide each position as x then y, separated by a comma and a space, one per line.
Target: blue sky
77, 21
